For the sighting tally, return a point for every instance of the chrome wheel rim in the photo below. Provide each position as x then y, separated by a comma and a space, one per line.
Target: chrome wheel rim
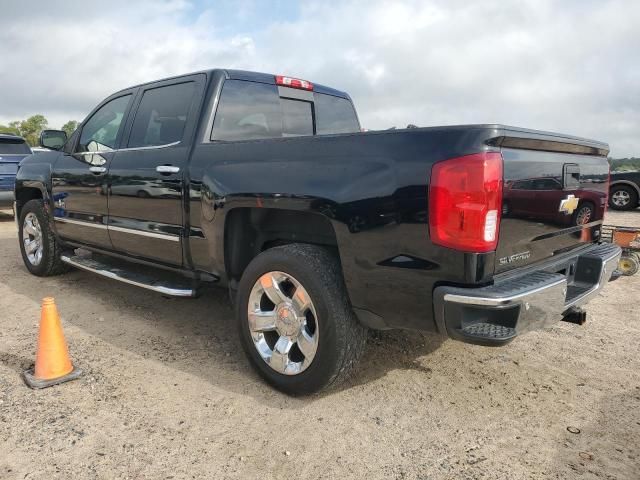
583, 216
283, 323
621, 198
32, 239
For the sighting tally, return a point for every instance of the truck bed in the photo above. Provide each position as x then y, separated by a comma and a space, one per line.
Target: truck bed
373, 188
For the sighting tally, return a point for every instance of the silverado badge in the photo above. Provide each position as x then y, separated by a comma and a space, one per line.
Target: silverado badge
516, 257
569, 204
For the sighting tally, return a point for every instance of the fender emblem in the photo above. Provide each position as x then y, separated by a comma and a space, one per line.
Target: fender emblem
569, 204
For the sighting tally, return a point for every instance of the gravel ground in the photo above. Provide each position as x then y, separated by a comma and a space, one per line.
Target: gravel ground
167, 393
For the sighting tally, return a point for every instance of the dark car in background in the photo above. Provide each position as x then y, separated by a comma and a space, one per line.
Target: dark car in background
12, 149
624, 190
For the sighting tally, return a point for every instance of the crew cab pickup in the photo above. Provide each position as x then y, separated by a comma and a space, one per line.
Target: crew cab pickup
266, 185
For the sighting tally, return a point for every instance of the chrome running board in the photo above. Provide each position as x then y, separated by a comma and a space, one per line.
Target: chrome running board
174, 287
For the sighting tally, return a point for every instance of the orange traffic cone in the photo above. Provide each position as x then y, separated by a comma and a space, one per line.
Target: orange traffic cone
53, 365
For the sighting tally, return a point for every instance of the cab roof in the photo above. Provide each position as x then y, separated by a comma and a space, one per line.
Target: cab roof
248, 76
271, 79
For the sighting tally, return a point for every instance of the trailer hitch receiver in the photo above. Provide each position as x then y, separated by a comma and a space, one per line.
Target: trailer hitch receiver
575, 315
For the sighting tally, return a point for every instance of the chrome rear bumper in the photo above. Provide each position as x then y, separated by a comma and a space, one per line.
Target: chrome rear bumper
496, 314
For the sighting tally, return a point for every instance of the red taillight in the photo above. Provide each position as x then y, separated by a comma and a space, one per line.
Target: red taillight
293, 82
465, 202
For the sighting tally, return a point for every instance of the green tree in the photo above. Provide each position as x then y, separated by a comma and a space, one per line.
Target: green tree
31, 127
624, 164
9, 129
70, 127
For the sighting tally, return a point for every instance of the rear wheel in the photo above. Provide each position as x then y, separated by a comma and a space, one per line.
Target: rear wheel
623, 197
39, 246
295, 321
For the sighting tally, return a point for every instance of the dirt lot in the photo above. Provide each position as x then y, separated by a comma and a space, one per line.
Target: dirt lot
168, 394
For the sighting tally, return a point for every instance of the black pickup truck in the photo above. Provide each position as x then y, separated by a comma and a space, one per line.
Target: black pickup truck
266, 185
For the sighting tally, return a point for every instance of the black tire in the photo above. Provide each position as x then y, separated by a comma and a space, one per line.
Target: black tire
50, 264
630, 191
342, 338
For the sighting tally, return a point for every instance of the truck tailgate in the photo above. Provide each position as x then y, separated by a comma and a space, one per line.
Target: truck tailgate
554, 196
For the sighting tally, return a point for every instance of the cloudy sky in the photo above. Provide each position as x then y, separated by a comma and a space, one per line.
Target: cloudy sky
568, 65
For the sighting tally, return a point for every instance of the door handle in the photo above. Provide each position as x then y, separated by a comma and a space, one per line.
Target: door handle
97, 169
167, 169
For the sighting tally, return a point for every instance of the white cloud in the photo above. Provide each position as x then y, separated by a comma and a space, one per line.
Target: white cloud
569, 66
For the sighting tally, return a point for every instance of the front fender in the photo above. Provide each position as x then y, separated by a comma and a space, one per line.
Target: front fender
34, 173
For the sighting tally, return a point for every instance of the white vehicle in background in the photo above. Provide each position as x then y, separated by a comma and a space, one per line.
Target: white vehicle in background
143, 189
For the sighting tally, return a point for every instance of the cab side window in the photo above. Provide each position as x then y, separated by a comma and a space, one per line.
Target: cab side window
162, 115
335, 115
247, 111
546, 184
100, 132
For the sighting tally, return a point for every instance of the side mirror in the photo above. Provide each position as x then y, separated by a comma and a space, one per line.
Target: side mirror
53, 139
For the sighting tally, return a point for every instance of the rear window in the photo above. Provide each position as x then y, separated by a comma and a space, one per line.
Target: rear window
14, 147
251, 111
334, 115
297, 117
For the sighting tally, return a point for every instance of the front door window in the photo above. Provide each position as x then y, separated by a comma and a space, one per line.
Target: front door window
100, 132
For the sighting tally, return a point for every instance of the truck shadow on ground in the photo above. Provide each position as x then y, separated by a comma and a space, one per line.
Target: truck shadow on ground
196, 336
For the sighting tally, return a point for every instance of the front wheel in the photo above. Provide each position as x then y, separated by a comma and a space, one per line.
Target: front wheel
295, 320
38, 244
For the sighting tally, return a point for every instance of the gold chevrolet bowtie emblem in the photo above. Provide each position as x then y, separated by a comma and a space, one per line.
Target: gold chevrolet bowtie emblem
569, 204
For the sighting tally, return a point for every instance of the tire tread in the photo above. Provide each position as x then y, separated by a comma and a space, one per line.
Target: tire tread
51, 264
350, 335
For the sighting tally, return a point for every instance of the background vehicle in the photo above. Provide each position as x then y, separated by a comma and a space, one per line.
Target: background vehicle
624, 191
524, 197
12, 149
318, 230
